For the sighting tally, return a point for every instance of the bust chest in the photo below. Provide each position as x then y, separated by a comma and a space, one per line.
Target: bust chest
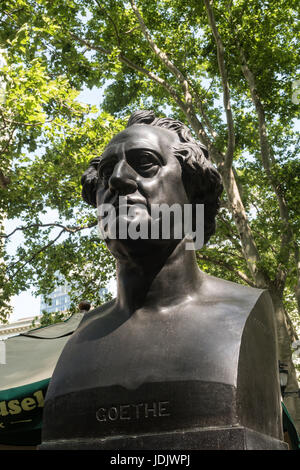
194, 343
175, 370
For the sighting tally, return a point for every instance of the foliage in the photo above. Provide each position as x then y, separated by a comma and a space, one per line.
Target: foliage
47, 319
225, 68
47, 139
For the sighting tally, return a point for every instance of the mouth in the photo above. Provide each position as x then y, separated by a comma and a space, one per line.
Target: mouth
125, 201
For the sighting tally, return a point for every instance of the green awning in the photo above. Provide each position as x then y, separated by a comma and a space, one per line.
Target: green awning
289, 427
24, 378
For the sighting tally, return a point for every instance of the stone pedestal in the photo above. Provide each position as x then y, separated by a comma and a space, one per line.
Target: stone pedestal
219, 438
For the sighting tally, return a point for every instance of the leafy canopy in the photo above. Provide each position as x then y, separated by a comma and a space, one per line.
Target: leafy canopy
55, 48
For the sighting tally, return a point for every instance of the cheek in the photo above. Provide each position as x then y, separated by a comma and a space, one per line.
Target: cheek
100, 195
166, 187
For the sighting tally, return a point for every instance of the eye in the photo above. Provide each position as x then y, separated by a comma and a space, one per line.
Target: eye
145, 163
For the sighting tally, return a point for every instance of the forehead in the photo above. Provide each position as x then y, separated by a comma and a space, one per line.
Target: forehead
142, 136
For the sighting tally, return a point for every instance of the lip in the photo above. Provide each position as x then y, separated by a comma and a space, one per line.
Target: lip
129, 202
126, 207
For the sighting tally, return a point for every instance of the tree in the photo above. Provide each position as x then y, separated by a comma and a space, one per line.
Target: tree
227, 69
47, 139
47, 318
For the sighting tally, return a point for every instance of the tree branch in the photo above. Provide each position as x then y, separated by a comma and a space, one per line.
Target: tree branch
238, 211
101, 7
227, 266
225, 84
4, 180
34, 255
132, 65
162, 55
287, 232
196, 124
235, 240
186, 86
297, 286
10, 132
66, 229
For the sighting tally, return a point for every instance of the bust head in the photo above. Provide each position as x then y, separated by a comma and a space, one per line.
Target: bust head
185, 164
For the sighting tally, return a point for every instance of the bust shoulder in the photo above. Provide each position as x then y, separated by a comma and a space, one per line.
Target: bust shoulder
212, 289
220, 306
200, 342
228, 291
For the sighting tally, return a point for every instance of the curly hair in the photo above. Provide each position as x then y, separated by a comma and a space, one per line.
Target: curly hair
201, 180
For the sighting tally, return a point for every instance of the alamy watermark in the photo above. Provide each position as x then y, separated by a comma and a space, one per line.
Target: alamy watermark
126, 220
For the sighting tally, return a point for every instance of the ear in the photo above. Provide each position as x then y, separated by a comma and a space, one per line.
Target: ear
89, 182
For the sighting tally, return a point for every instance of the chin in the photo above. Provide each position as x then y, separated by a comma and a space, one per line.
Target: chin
128, 249
124, 227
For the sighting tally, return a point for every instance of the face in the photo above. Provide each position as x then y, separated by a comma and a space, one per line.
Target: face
138, 168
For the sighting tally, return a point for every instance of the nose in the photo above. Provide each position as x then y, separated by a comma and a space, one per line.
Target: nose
123, 179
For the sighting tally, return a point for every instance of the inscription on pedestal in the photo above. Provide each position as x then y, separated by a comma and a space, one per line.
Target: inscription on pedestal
133, 411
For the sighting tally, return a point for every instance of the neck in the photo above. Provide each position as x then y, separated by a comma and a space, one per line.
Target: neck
160, 279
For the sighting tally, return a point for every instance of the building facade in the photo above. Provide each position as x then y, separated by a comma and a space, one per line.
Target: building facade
60, 300
17, 327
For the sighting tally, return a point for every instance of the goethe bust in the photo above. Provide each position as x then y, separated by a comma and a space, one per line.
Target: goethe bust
177, 348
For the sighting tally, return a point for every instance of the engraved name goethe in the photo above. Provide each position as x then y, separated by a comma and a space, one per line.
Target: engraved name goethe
133, 411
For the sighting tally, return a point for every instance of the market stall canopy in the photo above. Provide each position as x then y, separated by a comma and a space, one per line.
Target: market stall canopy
30, 360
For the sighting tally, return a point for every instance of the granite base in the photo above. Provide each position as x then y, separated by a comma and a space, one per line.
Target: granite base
219, 438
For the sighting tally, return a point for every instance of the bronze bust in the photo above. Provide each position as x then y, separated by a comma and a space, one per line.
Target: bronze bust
179, 359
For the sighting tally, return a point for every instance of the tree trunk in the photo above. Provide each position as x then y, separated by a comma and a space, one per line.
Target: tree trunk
297, 286
261, 279
250, 251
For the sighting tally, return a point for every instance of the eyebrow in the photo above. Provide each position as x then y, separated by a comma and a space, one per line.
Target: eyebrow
105, 158
113, 155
